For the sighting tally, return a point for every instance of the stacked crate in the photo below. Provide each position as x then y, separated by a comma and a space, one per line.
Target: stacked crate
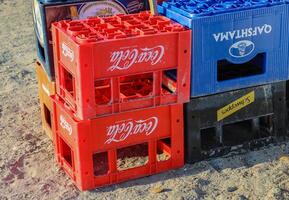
46, 88
239, 60
45, 12
105, 109
121, 82
130, 95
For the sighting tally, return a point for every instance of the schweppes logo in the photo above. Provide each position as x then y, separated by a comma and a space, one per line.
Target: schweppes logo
235, 106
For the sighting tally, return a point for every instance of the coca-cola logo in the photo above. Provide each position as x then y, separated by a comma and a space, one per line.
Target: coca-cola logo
67, 52
65, 125
120, 131
127, 57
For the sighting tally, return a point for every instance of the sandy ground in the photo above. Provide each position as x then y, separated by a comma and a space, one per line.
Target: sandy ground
27, 166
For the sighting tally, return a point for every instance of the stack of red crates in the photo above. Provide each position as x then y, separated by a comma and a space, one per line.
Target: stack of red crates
121, 82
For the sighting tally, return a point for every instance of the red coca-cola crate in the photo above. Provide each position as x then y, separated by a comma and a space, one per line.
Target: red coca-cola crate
121, 63
120, 147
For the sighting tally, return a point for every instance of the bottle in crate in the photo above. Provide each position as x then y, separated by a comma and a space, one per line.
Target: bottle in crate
236, 44
121, 63
45, 89
120, 147
45, 12
247, 118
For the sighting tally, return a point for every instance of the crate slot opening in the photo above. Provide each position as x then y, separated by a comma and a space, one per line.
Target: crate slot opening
100, 163
144, 85
47, 115
136, 86
102, 91
164, 149
68, 82
66, 152
237, 133
228, 71
132, 156
169, 81
209, 139
246, 131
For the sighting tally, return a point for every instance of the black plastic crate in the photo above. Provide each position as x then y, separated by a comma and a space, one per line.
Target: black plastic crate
287, 94
248, 118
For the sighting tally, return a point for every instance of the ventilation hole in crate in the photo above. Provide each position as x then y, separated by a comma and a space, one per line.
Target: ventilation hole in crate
132, 156
227, 70
238, 133
246, 131
100, 163
136, 86
66, 152
169, 81
102, 91
208, 139
164, 149
69, 82
47, 115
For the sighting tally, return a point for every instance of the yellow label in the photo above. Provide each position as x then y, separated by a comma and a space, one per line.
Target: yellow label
235, 106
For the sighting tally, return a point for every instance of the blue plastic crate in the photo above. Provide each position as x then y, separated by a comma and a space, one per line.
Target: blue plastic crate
235, 44
47, 11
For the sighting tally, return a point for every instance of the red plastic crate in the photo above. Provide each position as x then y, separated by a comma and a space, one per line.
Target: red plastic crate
121, 63
99, 152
